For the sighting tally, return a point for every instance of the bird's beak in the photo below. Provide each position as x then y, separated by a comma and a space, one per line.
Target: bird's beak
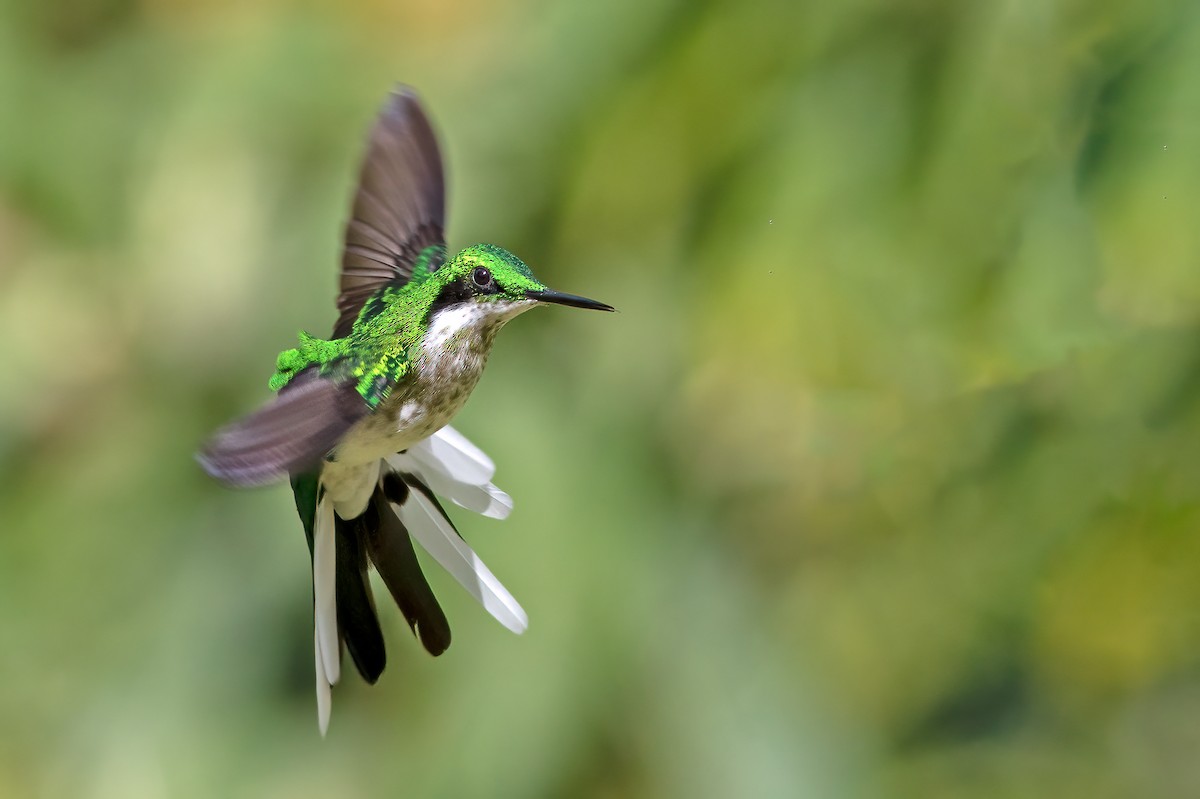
559, 298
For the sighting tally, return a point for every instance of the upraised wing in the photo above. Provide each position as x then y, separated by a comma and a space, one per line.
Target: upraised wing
399, 207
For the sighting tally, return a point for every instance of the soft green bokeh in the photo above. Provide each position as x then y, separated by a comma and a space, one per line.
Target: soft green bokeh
885, 482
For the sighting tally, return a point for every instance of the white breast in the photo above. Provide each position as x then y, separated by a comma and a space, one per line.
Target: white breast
454, 322
445, 371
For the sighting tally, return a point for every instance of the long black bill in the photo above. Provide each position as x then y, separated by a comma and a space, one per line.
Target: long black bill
559, 298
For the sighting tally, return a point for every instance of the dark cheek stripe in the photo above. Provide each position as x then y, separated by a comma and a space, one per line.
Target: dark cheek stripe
451, 294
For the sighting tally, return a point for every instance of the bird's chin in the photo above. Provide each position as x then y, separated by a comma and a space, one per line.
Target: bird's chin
506, 309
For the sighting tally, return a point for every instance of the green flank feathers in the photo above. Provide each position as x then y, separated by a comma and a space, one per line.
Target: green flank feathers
312, 351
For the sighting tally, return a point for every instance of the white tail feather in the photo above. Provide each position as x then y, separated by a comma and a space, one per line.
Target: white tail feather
483, 498
324, 697
449, 451
324, 596
430, 528
486, 500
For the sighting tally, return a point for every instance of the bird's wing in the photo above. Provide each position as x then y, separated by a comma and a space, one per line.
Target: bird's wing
290, 434
399, 208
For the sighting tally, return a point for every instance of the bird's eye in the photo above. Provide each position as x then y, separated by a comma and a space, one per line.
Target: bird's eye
482, 277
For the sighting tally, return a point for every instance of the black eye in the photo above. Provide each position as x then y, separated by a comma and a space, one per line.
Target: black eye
482, 277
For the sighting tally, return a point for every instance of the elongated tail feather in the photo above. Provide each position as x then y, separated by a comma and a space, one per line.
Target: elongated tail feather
456, 469
324, 593
307, 493
324, 690
305, 488
456, 455
486, 500
391, 550
426, 519
357, 622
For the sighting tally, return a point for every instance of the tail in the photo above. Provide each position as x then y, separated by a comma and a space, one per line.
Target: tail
403, 504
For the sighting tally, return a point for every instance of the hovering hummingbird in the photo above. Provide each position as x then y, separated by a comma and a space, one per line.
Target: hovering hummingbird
359, 423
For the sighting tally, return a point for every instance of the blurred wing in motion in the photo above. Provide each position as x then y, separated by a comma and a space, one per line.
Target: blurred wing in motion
399, 207
291, 433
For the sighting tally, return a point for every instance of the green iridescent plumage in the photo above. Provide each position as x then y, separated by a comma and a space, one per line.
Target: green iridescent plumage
392, 323
312, 350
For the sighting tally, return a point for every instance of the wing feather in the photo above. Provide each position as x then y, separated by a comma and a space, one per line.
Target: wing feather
399, 206
291, 433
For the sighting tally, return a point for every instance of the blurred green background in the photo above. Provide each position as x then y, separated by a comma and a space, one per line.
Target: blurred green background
885, 482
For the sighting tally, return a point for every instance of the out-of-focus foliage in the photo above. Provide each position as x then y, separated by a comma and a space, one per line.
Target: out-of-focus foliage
884, 482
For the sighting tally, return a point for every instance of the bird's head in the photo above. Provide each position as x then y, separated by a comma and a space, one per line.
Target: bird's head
498, 283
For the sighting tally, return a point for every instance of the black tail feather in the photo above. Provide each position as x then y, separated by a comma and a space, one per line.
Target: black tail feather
391, 550
357, 623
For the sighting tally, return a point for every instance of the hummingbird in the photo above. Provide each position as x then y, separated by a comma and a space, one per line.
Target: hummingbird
359, 424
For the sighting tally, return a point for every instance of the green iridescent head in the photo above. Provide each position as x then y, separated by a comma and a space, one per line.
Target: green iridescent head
487, 273
490, 273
